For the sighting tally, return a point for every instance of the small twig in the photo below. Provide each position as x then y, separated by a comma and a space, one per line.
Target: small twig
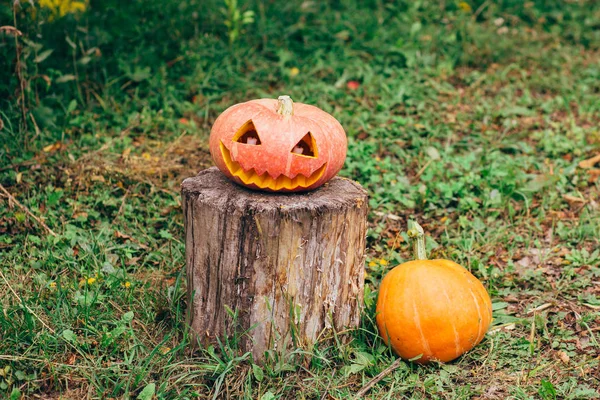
480, 9
326, 392
175, 61
391, 216
418, 175
91, 154
379, 377
35, 125
174, 143
531, 347
16, 166
22, 302
10, 30
540, 308
8, 357
122, 207
26, 210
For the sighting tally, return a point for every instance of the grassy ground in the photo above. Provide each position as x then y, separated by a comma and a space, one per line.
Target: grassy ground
474, 118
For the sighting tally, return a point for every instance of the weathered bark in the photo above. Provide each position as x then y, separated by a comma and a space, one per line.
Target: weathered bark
290, 265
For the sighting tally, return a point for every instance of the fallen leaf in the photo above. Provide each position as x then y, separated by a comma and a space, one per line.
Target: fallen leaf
125, 153
132, 261
52, 147
573, 199
564, 357
559, 214
98, 178
46, 79
433, 153
594, 174
184, 121
120, 235
582, 343
78, 214
169, 281
511, 299
524, 262
590, 162
71, 359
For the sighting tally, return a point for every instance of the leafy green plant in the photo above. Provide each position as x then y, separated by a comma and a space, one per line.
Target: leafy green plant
547, 391
236, 19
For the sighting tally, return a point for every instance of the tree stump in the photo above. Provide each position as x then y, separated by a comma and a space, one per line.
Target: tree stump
289, 267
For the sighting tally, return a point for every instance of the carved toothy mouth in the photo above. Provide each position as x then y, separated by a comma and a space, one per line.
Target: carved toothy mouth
266, 181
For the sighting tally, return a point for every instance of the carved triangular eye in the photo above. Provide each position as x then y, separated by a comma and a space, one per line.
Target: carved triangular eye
306, 147
247, 134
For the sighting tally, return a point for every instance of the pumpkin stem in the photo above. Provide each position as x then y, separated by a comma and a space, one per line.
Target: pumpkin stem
286, 106
415, 232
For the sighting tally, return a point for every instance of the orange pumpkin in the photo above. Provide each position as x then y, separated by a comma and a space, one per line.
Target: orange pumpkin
434, 309
278, 145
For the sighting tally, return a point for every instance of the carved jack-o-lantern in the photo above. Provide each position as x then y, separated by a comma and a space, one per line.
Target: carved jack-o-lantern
278, 145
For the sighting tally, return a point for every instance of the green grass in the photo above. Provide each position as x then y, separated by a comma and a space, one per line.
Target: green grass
473, 121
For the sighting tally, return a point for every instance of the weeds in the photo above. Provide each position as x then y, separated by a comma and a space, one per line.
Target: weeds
477, 119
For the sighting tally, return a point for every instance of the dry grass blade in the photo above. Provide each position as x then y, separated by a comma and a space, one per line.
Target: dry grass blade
10, 30
378, 378
326, 393
540, 308
26, 210
22, 302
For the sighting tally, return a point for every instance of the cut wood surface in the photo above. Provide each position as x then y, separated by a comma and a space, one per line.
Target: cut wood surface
290, 266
